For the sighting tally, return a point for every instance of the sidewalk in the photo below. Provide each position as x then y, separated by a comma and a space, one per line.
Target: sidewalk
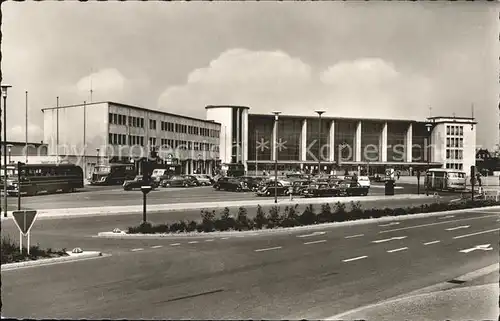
265, 201
476, 300
490, 182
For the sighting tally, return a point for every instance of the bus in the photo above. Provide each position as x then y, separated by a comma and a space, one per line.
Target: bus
112, 174
444, 179
161, 172
50, 178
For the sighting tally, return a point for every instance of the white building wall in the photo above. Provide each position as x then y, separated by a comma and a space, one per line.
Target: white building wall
331, 141
383, 143
244, 140
469, 147
409, 143
303, 141
224, 116
357, 142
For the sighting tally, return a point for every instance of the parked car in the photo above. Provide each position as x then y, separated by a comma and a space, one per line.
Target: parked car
137, 182
321, 189
179, 181
210, 178
299, 186
364, 181
349, 188
231, 184
252, 182
282, 187
199, 179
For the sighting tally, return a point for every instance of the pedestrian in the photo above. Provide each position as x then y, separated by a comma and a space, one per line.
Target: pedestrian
398, 174
479, 179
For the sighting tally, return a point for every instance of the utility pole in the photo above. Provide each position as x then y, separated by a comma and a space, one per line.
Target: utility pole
26, 125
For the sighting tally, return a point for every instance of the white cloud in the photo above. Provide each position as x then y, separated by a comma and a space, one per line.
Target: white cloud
18, 133
273, 80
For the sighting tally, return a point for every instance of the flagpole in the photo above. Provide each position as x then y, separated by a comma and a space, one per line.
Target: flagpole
26, 125
256, 151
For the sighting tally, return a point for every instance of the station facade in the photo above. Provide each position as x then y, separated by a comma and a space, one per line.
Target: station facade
352, 144
109, 132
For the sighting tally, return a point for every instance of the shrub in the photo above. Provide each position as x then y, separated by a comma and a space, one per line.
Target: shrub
208, 220
191, 227
326, 213
242, 221
180, 226
10, 252
291, 218
399, 211
356, 210
145, 228
260, 218
274, 218
340, 214
162, 228
308, 217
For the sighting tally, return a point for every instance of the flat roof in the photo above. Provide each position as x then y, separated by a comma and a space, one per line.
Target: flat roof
23, 143
225, 106
341, 118
136, 108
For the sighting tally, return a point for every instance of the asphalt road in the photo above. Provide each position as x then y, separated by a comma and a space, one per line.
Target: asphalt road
115, 195
71, 232
268, 276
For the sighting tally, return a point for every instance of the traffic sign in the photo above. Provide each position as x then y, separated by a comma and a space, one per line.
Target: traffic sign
24, 220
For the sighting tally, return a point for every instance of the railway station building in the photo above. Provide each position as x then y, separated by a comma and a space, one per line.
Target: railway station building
342, 144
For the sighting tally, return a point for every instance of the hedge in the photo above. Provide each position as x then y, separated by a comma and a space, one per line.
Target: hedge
290, 217
10, 252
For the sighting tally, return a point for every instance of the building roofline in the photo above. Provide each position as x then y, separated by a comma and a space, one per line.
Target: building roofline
23, 143
225, 106
342, 118
451, 117
136, 108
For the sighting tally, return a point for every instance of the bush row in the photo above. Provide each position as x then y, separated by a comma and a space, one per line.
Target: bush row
10, 252
290, 217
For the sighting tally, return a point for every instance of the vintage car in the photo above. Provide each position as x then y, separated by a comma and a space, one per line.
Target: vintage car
352, 188
201, 180
321, 189
252, 182
282, 188
231, 184
179, 181
299, 186
139, 181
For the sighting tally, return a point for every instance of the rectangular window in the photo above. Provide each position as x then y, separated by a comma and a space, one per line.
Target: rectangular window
447, 154
142, 122
448, 142
461, 130
110, 118
110, 139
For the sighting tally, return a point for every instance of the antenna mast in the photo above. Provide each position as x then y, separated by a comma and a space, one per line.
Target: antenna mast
91, 91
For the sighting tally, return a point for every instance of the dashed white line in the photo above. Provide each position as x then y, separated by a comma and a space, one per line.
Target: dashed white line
224, 238
457, 228
445, 217
390, 224
314, 242
175, 244
431, 224
210, 240
156, 246
193, 242
392, 238
355, 258
268, 249
432, 242
352, 236
135, 250
477, 233
397, 250
312, 234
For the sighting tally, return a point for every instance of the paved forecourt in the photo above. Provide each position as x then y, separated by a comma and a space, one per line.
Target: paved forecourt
295, 275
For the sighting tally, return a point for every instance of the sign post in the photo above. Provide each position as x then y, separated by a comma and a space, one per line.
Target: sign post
24, 221
472, 179
145, 190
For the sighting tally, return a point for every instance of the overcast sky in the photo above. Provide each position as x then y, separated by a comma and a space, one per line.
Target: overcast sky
368, 59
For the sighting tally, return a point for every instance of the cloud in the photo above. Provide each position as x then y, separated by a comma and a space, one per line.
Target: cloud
18, 133
274, 80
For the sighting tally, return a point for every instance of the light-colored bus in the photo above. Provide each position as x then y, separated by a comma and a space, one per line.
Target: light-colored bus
444, 179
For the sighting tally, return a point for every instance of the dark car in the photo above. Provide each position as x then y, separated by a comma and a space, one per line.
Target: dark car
299, 186
231, 184
138, 182
350, 188
252, 182
321, 189
282, 187
179, 181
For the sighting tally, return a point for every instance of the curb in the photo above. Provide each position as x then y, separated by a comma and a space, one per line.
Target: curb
123, 235
135, 209
70, 258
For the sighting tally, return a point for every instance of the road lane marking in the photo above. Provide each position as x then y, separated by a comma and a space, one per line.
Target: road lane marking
477, 233
431, 224
312, 234
314, 242
397, 250
175, 244
392, 238
457, 228
390, 224
193, 242
225, 238
135, 250
483, 247
268, 249
433, 242
156, 246
445, 217
352, 236
355, 258
210, 240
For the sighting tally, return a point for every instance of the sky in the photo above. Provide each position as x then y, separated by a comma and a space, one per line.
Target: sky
351, 59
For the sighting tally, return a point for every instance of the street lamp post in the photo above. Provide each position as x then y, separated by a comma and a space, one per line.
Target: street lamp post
10, 151
319, 112
97, 161
276, 117
429, 127
4, 95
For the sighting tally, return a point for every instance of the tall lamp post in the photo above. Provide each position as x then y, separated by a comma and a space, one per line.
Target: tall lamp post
429, 127
97, 154
4, 95
276, 117
319, 112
